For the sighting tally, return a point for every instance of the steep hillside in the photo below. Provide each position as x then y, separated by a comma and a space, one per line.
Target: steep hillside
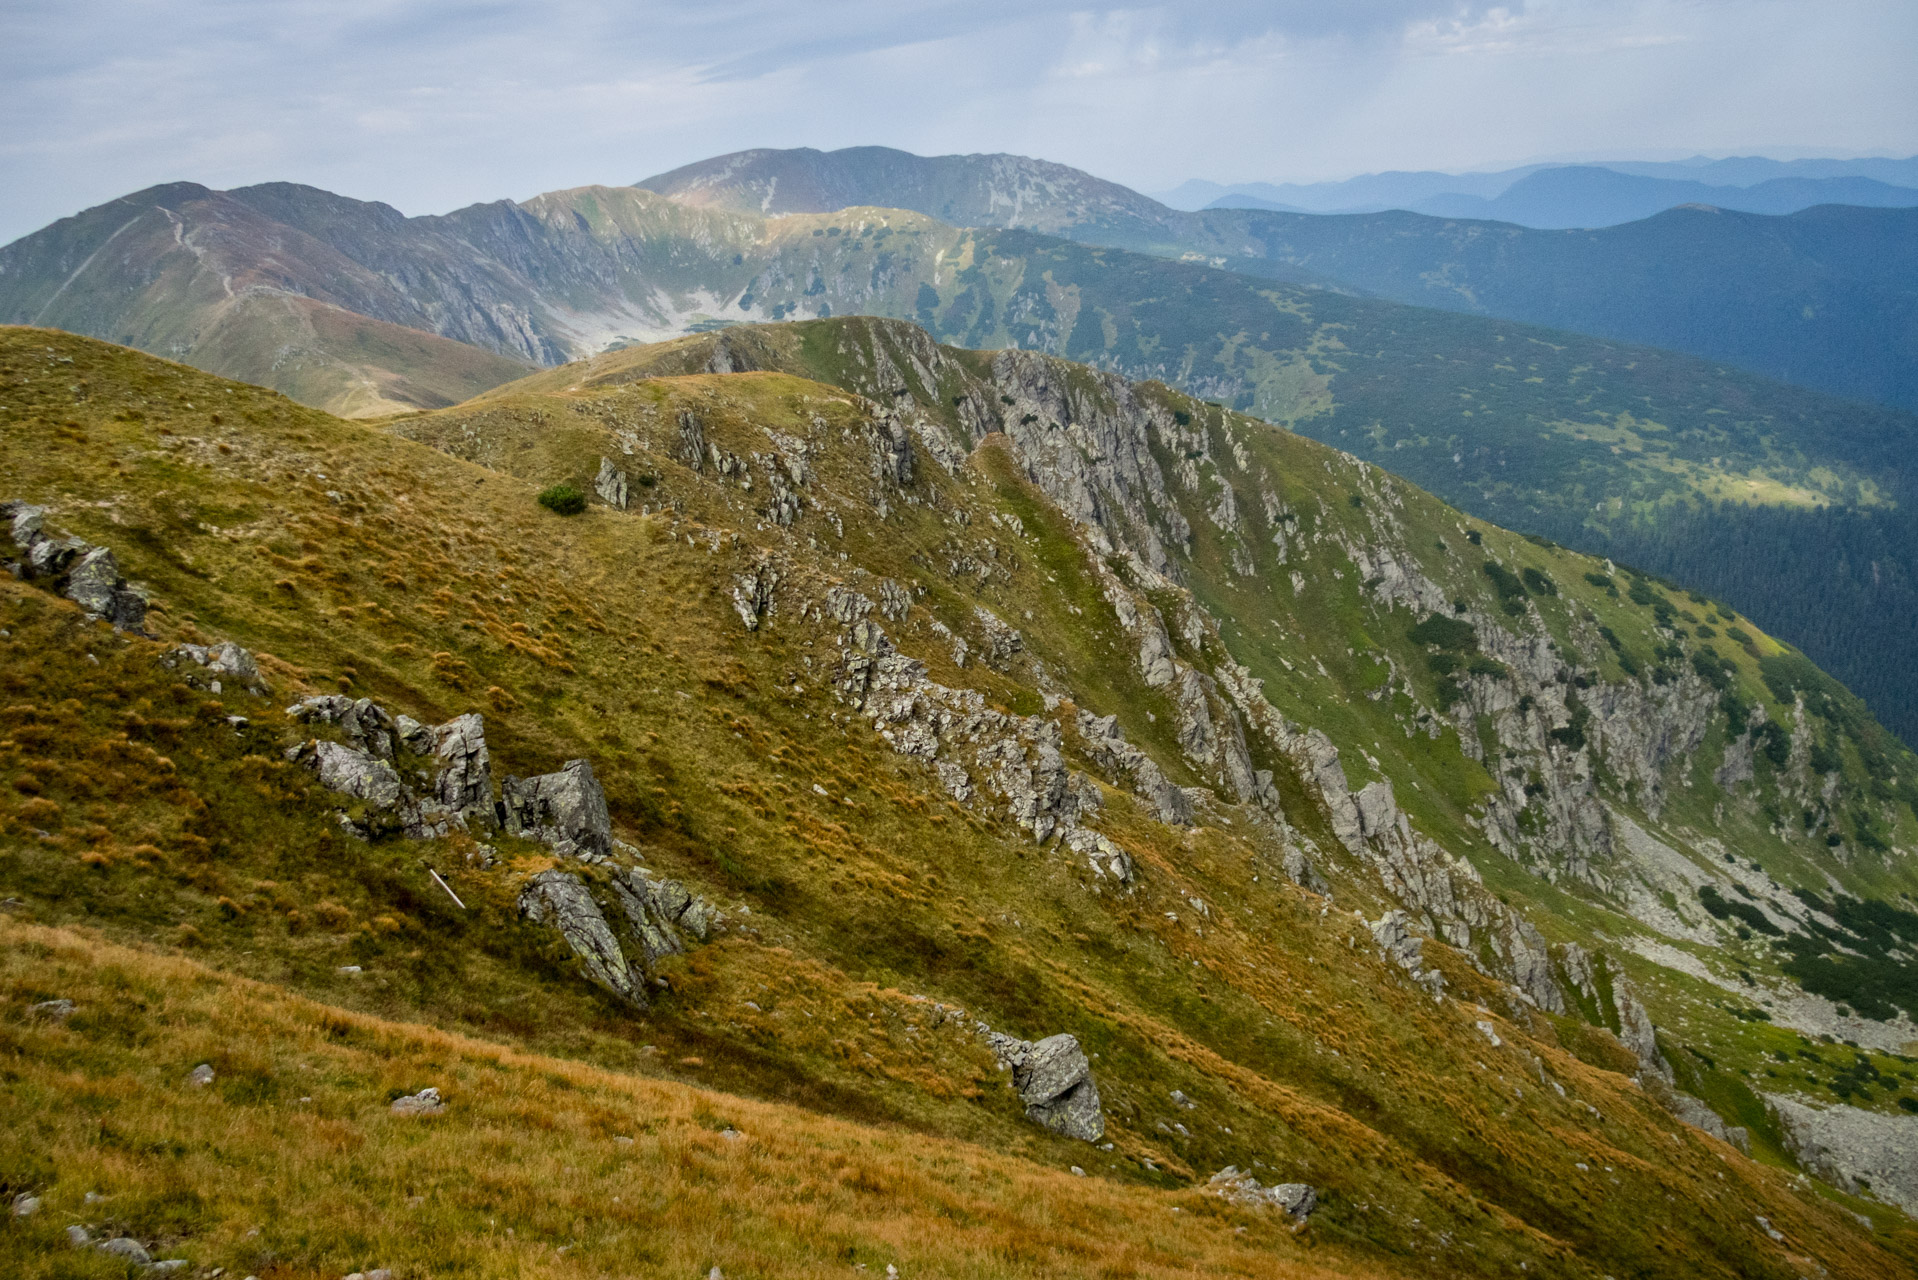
942, 702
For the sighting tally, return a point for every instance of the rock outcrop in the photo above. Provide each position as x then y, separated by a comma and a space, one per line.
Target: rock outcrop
558, 898
1054, 1080
610, 484
656, 917
83, 573
566, 810
1854, 1149
214, 666
1295, 1199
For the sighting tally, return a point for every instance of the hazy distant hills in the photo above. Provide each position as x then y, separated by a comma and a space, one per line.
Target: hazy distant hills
1593, 197
1588, 197
1425, 191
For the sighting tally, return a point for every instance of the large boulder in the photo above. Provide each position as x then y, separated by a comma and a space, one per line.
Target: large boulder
357, 773
559, 899
1054, 1080
463, 778
610, 484
660, 911
218, 663
566, 810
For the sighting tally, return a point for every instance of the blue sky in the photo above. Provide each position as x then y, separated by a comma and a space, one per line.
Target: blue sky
431, 104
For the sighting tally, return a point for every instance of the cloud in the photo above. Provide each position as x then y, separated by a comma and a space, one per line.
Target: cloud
429, 104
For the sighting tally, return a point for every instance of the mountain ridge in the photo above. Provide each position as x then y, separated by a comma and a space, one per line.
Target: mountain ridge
1682, 466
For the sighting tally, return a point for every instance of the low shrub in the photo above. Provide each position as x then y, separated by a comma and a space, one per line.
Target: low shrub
562, 499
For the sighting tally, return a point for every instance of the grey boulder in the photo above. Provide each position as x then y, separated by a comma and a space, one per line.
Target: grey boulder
224, 661
1054, 1080
358, 774
559, 899
366, 723
566, 810
610, 484
463, 781
659, 910
1296, 1198
426, 1102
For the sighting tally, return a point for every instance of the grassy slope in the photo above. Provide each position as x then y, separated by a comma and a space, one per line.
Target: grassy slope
289, 1163
438, 586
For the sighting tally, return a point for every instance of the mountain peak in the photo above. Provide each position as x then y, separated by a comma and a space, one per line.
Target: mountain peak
981, 190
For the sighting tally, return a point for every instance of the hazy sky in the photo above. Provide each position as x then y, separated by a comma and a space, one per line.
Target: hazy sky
431, 104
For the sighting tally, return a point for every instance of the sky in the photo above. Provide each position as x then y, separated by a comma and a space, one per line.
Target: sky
433, 104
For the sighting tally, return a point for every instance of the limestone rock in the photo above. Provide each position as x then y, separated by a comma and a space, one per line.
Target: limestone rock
126, 1248
753, 593
86, 574
566, 810
1850, 1147
463, 780
1635, 1030
367, 725
222, 662
1107, 746
58, 1010
426, 1102
1296, 1198
1054, 1080
559, 899
201, 1076
610, 484
1102, 855
659, 910
1003, 643
355, 773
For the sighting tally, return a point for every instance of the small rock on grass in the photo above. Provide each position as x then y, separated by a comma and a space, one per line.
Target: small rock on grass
426, 1102
126, 1247
25, 1206
201, 1076
59, 1010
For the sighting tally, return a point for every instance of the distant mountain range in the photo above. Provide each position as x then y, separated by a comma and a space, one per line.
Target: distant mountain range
1432, 192
1591, 197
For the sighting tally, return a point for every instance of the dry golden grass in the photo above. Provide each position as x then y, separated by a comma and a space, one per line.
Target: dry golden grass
291, 1165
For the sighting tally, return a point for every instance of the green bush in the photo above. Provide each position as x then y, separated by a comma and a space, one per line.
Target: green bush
1446, 633
1538, 583
562, 499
